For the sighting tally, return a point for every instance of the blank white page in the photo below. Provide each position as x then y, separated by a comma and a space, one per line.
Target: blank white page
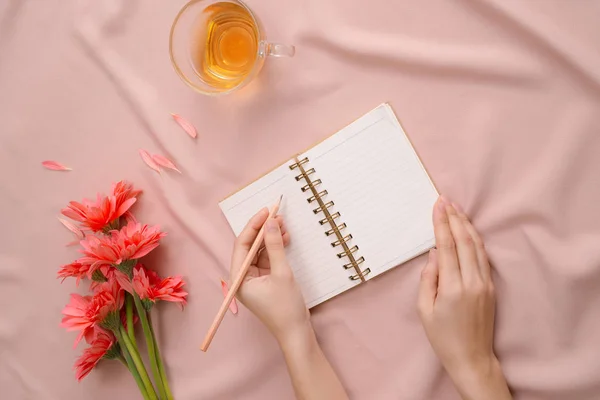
315, 266
378, 184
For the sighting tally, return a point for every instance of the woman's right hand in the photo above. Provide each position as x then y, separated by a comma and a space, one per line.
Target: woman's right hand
269, 289
456, 304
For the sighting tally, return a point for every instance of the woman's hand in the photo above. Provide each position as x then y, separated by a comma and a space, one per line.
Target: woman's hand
456, 304
269, 289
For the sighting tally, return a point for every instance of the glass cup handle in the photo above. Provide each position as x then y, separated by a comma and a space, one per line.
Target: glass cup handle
280, 50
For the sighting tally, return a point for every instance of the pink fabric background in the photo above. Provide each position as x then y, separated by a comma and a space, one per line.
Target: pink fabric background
500, 98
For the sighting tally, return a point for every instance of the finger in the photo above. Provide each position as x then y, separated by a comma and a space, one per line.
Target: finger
275, 249
279, 219
246, 238
252, 273
429, 284
286, 239
482, 258
263, 260
446, 248
284, 233
465, 248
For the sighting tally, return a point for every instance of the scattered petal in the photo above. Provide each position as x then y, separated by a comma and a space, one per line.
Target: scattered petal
149, 160
73, 243
233, 305
164, 162
185, 125
73, 228
55, 166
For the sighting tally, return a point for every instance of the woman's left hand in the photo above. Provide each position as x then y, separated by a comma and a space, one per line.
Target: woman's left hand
456, 304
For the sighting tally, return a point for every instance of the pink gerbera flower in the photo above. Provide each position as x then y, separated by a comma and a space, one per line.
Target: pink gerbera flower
123, 192
75, 270
135, 240
150, 287
100, 346
85, 313
99, 251
105, 210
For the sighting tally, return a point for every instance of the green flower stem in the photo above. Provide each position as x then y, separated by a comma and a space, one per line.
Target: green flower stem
137, 361
129, 313
161, 366
150, 345
126, 359
123, 361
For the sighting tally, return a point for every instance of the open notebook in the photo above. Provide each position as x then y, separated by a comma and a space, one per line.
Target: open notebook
356, 205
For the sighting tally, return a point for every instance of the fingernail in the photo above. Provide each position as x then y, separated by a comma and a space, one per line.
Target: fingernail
441, 206
444, 200
431, 256
450, 210
271, 225
458, 208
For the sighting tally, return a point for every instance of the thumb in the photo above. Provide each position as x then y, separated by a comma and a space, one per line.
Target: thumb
429, 284
274, 246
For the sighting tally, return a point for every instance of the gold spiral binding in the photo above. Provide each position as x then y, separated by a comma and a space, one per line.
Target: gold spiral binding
316, 182
330, 219
339, 228
361, 276
358, 261
320, 194
322, 207
299, 163
338, 242
347, 252
304, 174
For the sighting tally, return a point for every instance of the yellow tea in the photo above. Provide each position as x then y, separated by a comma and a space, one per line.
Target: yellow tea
225, 51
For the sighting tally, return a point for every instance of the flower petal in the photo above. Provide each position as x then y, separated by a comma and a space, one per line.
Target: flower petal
185, 125
129, 217
73, 228
149, 160
123, 208
55, 166
124, 281
233, 307
164, 162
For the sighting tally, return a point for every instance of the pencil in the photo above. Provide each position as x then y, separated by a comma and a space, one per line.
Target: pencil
238, 280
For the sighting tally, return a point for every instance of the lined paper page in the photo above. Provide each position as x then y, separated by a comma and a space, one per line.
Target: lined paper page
378, 184
315, 266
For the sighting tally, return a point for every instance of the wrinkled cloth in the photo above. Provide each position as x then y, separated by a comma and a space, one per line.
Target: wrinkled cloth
499, 97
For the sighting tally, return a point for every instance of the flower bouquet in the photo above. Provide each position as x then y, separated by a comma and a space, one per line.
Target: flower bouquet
123, 291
